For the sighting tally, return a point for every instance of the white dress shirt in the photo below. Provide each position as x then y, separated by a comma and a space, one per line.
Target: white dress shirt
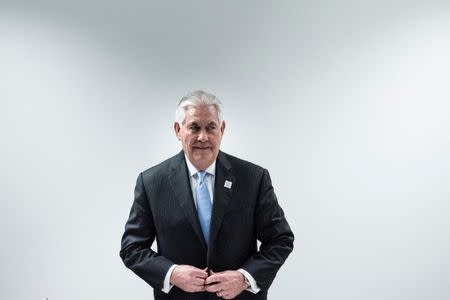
211, 173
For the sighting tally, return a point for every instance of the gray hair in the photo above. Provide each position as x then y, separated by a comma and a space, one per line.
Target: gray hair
197, 98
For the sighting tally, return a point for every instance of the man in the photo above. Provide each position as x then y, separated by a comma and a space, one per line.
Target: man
206, 209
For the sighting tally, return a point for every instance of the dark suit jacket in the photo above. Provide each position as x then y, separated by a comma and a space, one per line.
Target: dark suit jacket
164, 209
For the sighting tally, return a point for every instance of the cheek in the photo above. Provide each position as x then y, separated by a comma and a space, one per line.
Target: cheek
185, 141
189, 141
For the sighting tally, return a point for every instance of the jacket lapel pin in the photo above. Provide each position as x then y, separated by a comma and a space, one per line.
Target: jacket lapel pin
227, 184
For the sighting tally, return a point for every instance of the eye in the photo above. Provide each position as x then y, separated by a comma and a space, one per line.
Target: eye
194, 127
211, 127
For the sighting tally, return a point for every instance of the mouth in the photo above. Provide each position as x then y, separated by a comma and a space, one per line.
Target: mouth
201, 148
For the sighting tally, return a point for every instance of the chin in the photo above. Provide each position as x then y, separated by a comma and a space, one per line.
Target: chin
203, 157
203, 152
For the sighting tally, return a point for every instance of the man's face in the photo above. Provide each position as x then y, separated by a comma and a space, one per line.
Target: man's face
200, 135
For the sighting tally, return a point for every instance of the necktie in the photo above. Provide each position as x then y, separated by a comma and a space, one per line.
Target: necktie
203, 204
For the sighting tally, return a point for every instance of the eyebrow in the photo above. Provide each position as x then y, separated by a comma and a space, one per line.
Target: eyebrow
209, 124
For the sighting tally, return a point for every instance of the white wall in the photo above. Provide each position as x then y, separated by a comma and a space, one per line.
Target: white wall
347, 103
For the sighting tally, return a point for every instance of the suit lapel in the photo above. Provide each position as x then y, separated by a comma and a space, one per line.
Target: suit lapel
179, 179
222, 194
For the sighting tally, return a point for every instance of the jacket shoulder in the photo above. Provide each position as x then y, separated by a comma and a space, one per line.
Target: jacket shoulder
161, 170
240, 164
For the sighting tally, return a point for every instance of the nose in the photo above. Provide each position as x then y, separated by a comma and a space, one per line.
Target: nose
202, 136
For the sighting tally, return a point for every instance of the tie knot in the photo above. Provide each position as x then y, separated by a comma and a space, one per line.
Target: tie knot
201, 175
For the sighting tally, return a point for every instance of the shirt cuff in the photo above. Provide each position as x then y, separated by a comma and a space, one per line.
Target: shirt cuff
167, 286
253, 286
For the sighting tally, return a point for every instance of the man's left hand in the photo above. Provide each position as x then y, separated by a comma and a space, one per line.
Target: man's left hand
226, 284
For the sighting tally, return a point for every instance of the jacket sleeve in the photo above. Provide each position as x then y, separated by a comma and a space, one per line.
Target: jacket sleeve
274, 233
136, 252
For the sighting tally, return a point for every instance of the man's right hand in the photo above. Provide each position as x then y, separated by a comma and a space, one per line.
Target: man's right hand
189, 278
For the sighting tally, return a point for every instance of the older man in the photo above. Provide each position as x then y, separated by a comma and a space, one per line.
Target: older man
207, 210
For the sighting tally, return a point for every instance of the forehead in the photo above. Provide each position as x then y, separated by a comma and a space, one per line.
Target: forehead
201, 114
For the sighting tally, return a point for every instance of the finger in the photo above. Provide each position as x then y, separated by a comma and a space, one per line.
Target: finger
201, 288
222, 294
211, 279
198, 281
213, 288
205, 270
198, 288
201, 276
200, 273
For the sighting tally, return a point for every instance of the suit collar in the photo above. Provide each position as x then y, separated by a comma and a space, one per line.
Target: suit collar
222, 194
181, 187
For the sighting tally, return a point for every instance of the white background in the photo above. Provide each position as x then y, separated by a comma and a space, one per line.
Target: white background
345, 102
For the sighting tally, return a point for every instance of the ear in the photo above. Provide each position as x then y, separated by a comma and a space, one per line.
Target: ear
222, 127
177, 129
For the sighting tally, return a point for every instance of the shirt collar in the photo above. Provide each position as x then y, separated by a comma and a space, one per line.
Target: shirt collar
193, 170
